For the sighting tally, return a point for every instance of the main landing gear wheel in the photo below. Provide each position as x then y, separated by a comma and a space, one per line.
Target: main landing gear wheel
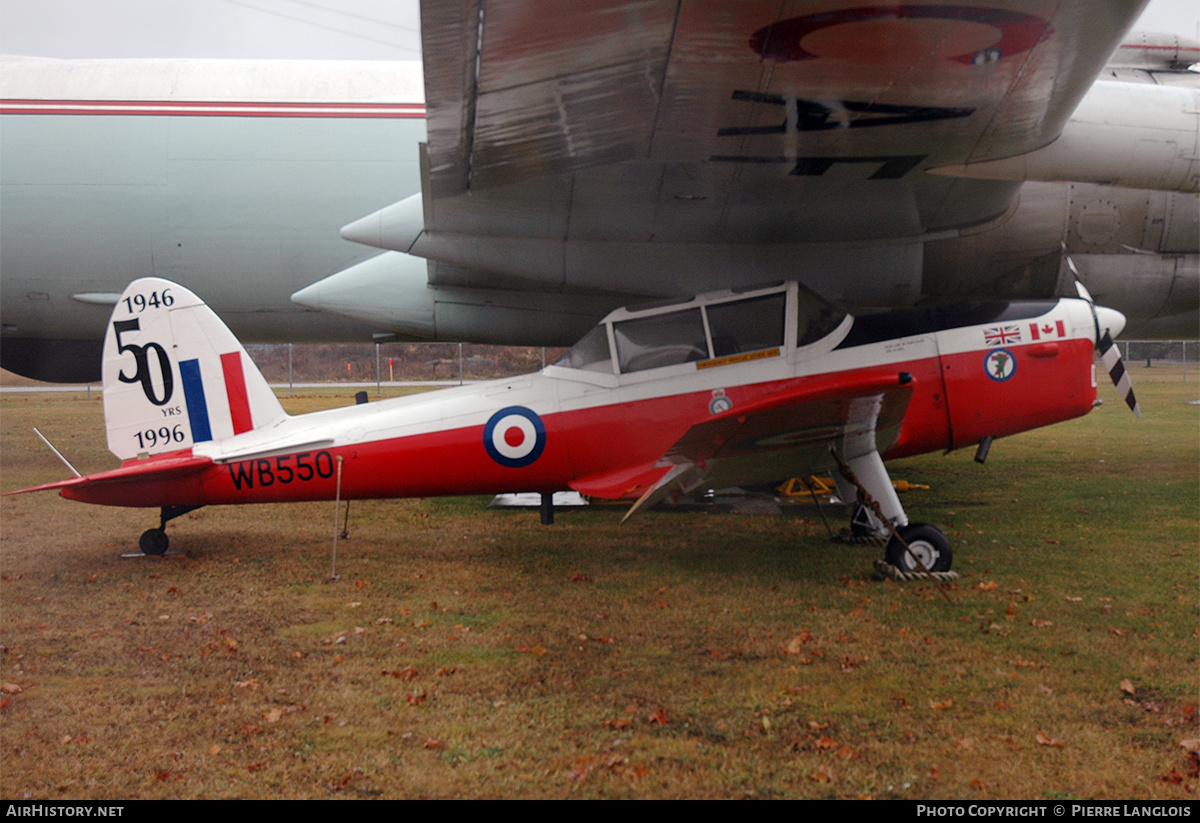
927, 543
154, 542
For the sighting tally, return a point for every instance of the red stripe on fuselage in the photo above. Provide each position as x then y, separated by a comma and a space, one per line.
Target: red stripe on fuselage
205, 108
235, 388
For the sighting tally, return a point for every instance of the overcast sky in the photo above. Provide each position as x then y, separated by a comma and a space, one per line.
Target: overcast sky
331, 29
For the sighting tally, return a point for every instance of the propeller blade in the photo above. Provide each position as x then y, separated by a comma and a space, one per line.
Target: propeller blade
1081, 289
1116, 371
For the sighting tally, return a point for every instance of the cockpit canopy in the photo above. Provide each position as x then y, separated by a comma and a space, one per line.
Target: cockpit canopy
708, 327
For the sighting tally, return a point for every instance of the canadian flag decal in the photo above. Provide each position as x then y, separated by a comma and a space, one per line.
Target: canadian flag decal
1048, 330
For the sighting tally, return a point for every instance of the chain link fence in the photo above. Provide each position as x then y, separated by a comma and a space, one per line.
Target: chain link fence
299, 363
1161, 353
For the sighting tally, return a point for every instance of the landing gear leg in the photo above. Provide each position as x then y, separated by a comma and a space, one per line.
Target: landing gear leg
911, 547
155, 541
867, 475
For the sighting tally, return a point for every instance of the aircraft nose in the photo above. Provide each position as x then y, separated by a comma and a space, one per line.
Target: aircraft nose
1110, 320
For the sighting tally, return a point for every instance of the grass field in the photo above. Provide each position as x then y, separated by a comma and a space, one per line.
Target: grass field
473, 653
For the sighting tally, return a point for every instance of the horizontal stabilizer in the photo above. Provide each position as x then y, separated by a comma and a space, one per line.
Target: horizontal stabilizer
109, 487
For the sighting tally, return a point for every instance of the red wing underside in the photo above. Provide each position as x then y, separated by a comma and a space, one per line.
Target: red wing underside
780, 436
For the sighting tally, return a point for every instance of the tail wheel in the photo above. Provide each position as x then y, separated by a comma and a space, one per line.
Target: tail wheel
927, 543
154, 542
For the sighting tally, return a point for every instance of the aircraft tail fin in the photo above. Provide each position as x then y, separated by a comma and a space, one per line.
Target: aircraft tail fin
174, 374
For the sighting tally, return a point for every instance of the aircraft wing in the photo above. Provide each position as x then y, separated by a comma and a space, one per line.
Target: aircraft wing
679, 121
776, 437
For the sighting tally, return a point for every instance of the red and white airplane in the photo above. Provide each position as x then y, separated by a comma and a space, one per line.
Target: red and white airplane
729, 388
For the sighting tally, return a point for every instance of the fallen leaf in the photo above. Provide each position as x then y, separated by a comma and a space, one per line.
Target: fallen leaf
1045, 740
1173, 777
941, 706
10, 688
823, 774
793, 646
1127, 687
407, 673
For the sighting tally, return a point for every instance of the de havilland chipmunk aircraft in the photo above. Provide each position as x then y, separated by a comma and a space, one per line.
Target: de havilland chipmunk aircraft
736, 387
550, 162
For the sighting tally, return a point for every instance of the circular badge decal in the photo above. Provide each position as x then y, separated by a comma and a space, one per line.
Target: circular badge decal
999, 364
514, 437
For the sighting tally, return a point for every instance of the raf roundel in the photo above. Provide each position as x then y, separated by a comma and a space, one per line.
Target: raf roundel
514, 437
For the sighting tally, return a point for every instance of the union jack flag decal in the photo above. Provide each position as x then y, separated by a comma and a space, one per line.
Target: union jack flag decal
1002, 335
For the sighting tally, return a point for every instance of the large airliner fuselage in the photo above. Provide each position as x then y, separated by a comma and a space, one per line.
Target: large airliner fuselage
231, 176
234, 178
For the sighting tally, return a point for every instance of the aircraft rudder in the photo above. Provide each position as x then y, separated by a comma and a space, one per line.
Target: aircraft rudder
175, 375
